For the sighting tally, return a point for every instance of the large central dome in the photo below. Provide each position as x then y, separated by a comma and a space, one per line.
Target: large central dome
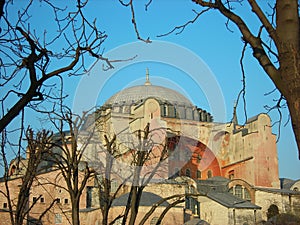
169, 103
139, 93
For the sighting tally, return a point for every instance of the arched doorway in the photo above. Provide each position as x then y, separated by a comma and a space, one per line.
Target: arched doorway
272, 211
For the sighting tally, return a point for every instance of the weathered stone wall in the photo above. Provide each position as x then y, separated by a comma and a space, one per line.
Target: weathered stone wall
213, 212
286, 203
217, 214
242, 216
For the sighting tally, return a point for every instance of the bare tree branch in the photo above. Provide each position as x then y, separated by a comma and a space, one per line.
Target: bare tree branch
181, 28
133, 20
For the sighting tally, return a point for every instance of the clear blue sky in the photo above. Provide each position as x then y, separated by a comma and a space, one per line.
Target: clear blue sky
208, 39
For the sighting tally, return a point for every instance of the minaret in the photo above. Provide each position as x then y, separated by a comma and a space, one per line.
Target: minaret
147, 77
234, 119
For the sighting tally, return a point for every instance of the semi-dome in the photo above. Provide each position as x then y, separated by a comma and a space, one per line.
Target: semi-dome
139, 93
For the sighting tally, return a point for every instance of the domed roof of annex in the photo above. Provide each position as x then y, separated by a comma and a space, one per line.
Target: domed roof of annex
137, 94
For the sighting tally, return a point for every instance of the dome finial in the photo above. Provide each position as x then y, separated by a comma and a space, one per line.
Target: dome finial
147, 77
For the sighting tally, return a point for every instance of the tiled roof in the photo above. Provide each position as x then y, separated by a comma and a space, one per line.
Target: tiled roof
215, 183
281, 191
216, 189
231, 201
287, 183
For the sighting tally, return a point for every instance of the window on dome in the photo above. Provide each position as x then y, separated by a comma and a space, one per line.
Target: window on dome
165, 110
175, 112
189, 113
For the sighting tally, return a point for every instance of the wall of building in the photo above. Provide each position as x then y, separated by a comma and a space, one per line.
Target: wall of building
286, 203
216, 214
243, 216
46, 189
213, 212
250, 152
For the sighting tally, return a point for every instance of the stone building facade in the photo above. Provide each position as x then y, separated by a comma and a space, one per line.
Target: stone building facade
228, 172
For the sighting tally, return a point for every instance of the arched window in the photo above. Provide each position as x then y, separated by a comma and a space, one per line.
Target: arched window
188, 172
199, 158
241, 192
209, 174
247, 194
238, 192
296, 189
89, 197
198, 174
13, 170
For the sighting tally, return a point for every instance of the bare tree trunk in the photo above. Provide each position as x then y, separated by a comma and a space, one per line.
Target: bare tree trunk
137, 188
105, 216
21, 207
105, 199
75, 211
293, 100
134, 205
287, 21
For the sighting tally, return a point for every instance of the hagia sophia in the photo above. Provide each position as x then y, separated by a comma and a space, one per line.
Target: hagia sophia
232, 169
